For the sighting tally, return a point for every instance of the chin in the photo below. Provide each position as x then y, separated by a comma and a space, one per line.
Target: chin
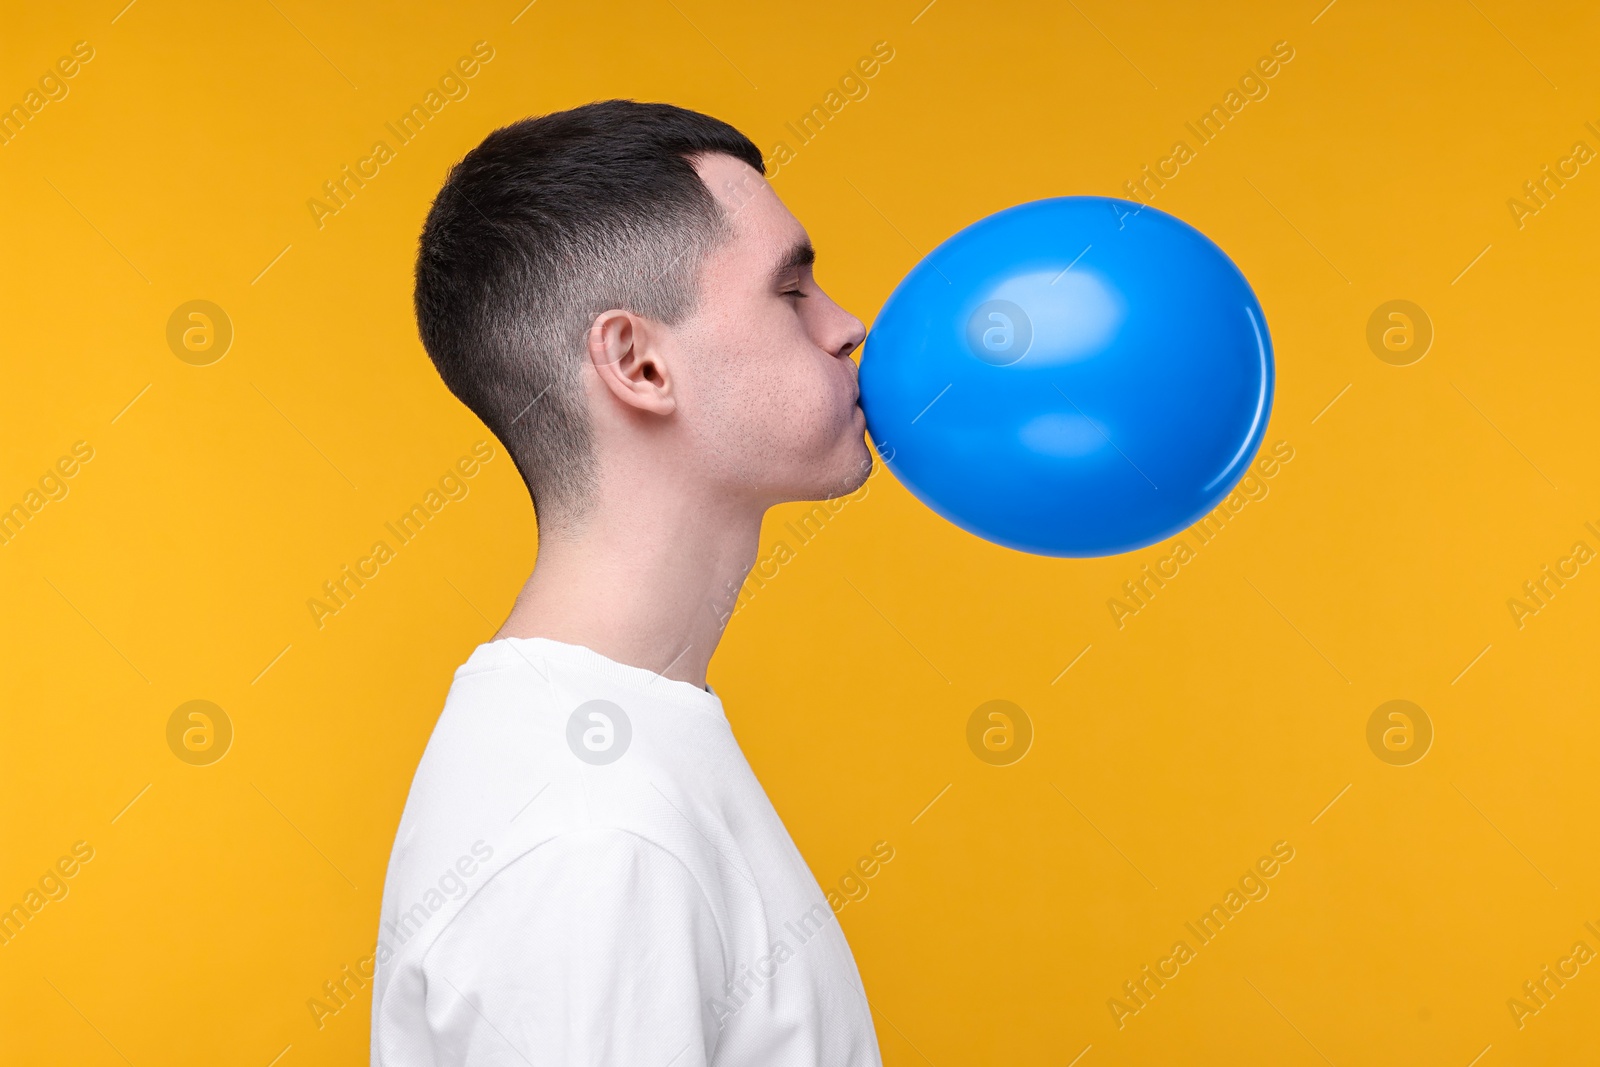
854, 468
834, 469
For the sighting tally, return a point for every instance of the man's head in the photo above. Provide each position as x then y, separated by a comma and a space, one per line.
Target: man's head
619, 295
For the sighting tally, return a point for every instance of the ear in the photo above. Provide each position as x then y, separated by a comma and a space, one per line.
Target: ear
625, 351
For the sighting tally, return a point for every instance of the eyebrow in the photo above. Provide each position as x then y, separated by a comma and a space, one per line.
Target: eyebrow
800, 255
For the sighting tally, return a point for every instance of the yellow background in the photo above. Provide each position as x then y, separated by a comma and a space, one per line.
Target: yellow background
1222, 718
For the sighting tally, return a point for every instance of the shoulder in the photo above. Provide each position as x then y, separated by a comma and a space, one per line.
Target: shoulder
597, 879
595, 943
507, 769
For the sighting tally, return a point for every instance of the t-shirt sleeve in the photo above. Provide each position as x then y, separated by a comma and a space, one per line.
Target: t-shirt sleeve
596, 947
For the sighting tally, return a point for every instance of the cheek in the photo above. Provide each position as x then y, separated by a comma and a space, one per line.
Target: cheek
816, 398
793, 409
770, 397
795, 391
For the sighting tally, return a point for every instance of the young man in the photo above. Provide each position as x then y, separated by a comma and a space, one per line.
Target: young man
587, 871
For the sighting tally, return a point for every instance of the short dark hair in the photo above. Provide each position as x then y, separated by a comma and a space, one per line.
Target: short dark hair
547, 223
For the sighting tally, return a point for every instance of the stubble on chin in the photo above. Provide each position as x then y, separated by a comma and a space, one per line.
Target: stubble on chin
856, 476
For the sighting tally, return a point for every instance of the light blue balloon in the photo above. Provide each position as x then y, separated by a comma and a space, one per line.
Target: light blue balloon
1079, 376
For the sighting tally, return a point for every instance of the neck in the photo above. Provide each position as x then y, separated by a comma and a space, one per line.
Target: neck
648, 588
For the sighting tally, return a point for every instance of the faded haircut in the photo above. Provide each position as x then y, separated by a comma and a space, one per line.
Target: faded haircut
544, 225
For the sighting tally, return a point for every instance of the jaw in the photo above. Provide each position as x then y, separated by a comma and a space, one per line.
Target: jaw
850, 471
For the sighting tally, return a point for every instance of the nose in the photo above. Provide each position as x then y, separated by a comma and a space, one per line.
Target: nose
836, 330
852, 333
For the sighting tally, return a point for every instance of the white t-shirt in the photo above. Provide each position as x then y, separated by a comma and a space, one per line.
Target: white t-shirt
587, 872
